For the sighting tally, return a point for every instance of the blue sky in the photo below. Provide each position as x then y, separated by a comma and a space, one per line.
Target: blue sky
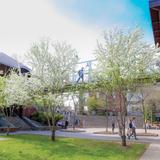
107, 13
78, 22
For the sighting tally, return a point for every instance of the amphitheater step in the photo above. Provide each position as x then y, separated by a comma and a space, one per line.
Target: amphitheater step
19, 123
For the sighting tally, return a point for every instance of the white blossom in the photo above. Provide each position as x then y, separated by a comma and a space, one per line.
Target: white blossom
16, 89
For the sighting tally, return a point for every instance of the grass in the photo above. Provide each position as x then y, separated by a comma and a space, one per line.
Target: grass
34, 147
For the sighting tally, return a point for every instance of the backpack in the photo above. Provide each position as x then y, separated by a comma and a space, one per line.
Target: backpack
130, 125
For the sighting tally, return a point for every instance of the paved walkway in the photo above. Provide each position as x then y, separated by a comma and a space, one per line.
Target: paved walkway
152, 153
2, 139
88, 135
91, 130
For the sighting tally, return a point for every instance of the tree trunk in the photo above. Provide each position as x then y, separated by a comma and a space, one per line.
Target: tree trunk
106, 105
152, 117
144, 117
106, 121
145, 127
144, 114
81, 102
122, 132
123, 128
8, 130
75, 113
53, 135
74, 119
122, 116
123, 137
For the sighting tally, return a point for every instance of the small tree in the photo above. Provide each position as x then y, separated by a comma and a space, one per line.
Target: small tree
16, 89
143, 95
152, 107
52, 64
95, 103
92, 103
15, 92
74, 97
148, 97
2, 95
124, 61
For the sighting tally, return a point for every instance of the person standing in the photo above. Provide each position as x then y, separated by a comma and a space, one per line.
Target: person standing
134, 128
113, 127
66, 124
129, 129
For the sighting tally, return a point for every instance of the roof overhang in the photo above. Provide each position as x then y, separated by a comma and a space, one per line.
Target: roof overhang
155, 18
12, 63
154, 3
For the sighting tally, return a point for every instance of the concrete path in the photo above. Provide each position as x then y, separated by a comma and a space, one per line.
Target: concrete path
87, 135
2, 139
152, 153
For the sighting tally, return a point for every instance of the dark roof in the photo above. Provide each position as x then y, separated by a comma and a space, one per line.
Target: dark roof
10, 62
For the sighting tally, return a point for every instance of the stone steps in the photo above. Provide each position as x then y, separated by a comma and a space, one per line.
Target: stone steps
19, 123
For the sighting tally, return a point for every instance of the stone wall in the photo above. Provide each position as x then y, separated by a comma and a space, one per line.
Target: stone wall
100, 121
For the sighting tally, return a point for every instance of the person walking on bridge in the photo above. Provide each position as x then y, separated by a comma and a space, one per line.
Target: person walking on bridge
81, 75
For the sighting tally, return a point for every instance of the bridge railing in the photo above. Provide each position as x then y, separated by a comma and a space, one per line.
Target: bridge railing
87, 77
88, 71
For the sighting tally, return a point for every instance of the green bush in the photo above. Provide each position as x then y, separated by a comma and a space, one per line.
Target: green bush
58, 117
41, 117
94, 103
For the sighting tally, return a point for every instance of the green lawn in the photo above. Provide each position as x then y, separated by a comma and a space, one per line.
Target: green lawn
34, 147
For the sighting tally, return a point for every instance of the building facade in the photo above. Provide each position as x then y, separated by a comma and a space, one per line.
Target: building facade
155, 18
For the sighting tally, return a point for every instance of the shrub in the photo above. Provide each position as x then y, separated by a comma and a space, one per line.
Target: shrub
41, 117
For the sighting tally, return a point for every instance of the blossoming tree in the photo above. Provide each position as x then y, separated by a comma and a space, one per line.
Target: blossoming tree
52, 65
2, 96
124, 61
16, 90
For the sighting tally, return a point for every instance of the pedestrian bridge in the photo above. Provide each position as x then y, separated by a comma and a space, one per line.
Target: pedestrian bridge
84, 72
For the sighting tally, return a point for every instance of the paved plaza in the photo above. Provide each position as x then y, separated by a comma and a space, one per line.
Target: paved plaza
152, 153
88, 134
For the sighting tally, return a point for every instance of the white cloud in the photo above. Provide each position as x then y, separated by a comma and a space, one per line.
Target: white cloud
26, 21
